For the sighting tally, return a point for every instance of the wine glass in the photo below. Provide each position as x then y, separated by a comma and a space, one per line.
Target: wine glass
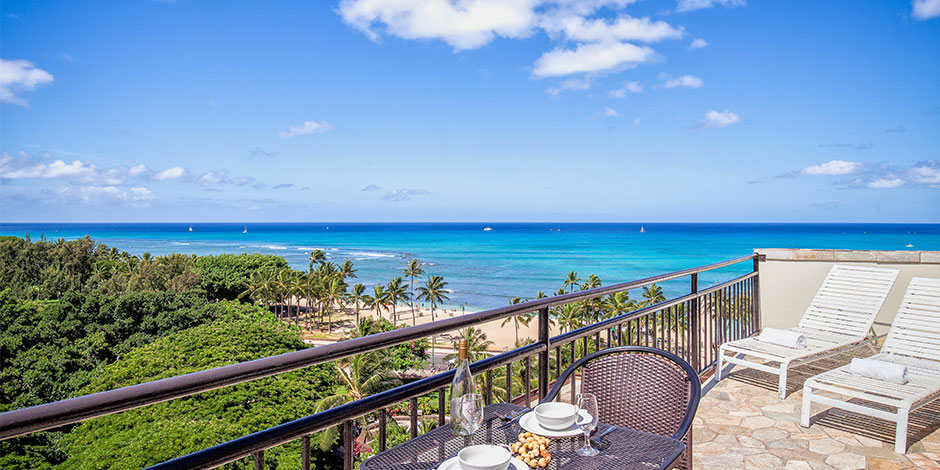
588, 403
471, 410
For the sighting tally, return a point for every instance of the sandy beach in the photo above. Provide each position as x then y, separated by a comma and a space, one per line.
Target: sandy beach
502, 336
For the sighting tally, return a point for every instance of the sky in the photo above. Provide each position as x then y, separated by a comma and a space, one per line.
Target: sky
470, 110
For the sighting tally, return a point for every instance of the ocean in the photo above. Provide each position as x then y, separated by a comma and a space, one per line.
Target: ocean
485, 268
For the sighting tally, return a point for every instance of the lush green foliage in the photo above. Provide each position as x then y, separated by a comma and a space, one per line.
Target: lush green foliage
223, 276
156, 433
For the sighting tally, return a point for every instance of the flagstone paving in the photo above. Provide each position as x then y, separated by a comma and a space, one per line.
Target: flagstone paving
741, 424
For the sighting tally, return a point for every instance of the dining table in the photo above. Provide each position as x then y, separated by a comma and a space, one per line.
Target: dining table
620, 449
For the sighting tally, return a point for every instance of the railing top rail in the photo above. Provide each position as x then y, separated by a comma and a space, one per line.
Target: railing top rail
51, 415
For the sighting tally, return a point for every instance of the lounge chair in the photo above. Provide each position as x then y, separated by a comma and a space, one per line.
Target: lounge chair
913, 341
839, 317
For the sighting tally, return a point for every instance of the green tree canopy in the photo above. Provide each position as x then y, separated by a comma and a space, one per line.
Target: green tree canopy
155, 433
224, 276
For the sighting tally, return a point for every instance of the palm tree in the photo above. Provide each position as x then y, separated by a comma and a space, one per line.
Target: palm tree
571, 280
653, 295
359, 376
378, 300
522, 318
346, 270
413, 269
318, 257
356, 296
619, 303
334, 292
396, 292
434, 292
569, 317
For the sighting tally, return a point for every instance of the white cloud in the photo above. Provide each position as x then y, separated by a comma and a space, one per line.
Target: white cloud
12, 169
569, 84
925, 9
687, 81
691, 5
610, 112
141, 194
371, 187
169, 174
886, 183
307, 128
591, 58
926, 174
592, 36
628, 87
464, 24
832, 168
403, 194
720, 119
210, 178
623, 28
17, 76
698, 43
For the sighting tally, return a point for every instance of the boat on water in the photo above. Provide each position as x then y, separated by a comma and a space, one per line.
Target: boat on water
246, 229
487, 229
190, 228
642, 230
909, 246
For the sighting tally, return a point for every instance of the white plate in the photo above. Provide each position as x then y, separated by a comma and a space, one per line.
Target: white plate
453, 464
530, 423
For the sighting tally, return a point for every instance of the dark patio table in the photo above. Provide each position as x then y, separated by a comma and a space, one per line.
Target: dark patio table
622, 449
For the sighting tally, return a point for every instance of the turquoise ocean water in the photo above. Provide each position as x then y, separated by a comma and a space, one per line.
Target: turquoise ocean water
486, 268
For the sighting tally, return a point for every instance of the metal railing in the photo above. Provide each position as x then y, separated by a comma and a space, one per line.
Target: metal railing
691, 326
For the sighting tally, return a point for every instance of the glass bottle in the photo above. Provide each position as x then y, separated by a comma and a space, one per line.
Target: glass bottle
461, 391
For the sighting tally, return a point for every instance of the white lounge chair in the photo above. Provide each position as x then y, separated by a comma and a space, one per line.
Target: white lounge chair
914, 341
840, 316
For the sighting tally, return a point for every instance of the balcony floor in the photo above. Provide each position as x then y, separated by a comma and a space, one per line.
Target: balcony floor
741, 424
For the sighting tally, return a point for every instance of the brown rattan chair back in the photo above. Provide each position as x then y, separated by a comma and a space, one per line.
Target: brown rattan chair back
640, 388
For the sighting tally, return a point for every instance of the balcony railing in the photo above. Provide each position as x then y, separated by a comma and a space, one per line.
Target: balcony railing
691, 326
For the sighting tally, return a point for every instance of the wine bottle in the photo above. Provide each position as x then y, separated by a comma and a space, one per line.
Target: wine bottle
461, 386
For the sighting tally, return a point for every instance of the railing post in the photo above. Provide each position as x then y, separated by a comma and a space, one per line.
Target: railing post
694, 325
348, 439
259, 460
543, 356
755, 296
305, 451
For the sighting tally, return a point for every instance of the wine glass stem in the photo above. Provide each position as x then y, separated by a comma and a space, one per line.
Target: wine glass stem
587, 439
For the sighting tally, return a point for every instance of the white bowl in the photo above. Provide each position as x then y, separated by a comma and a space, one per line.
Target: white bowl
484, 457
556, 415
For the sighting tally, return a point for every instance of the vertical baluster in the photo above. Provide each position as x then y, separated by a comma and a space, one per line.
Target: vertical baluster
528, 383
348, 438
382, 429
509, 383
259, 460
305, 453
413, 412
620, 334
557, 362
575, 373
597, 341
488, 391
543, 356
441, 406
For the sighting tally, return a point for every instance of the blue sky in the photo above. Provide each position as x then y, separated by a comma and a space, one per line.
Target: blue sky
474, 110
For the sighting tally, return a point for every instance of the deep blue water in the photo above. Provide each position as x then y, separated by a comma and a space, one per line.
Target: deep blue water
485, 268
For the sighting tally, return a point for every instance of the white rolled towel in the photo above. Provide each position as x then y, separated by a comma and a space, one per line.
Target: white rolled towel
790, 339
880, 370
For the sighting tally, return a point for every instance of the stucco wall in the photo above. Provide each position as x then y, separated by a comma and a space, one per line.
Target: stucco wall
789, 279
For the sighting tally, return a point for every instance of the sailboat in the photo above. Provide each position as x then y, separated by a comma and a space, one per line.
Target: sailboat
190, 228
246, 229
642, 230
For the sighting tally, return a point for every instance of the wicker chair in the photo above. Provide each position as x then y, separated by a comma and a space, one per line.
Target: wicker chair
640, 388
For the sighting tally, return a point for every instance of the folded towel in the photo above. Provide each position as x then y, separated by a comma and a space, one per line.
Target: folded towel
880, 370
790, 339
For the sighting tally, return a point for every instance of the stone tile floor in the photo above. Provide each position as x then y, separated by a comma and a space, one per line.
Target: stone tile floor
741, 424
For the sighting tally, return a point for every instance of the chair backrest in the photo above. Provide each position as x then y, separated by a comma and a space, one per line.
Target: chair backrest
849, 300
915, 330
641, 388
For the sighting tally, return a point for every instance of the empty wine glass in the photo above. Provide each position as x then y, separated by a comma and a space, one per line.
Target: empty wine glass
588, 403
471, 412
